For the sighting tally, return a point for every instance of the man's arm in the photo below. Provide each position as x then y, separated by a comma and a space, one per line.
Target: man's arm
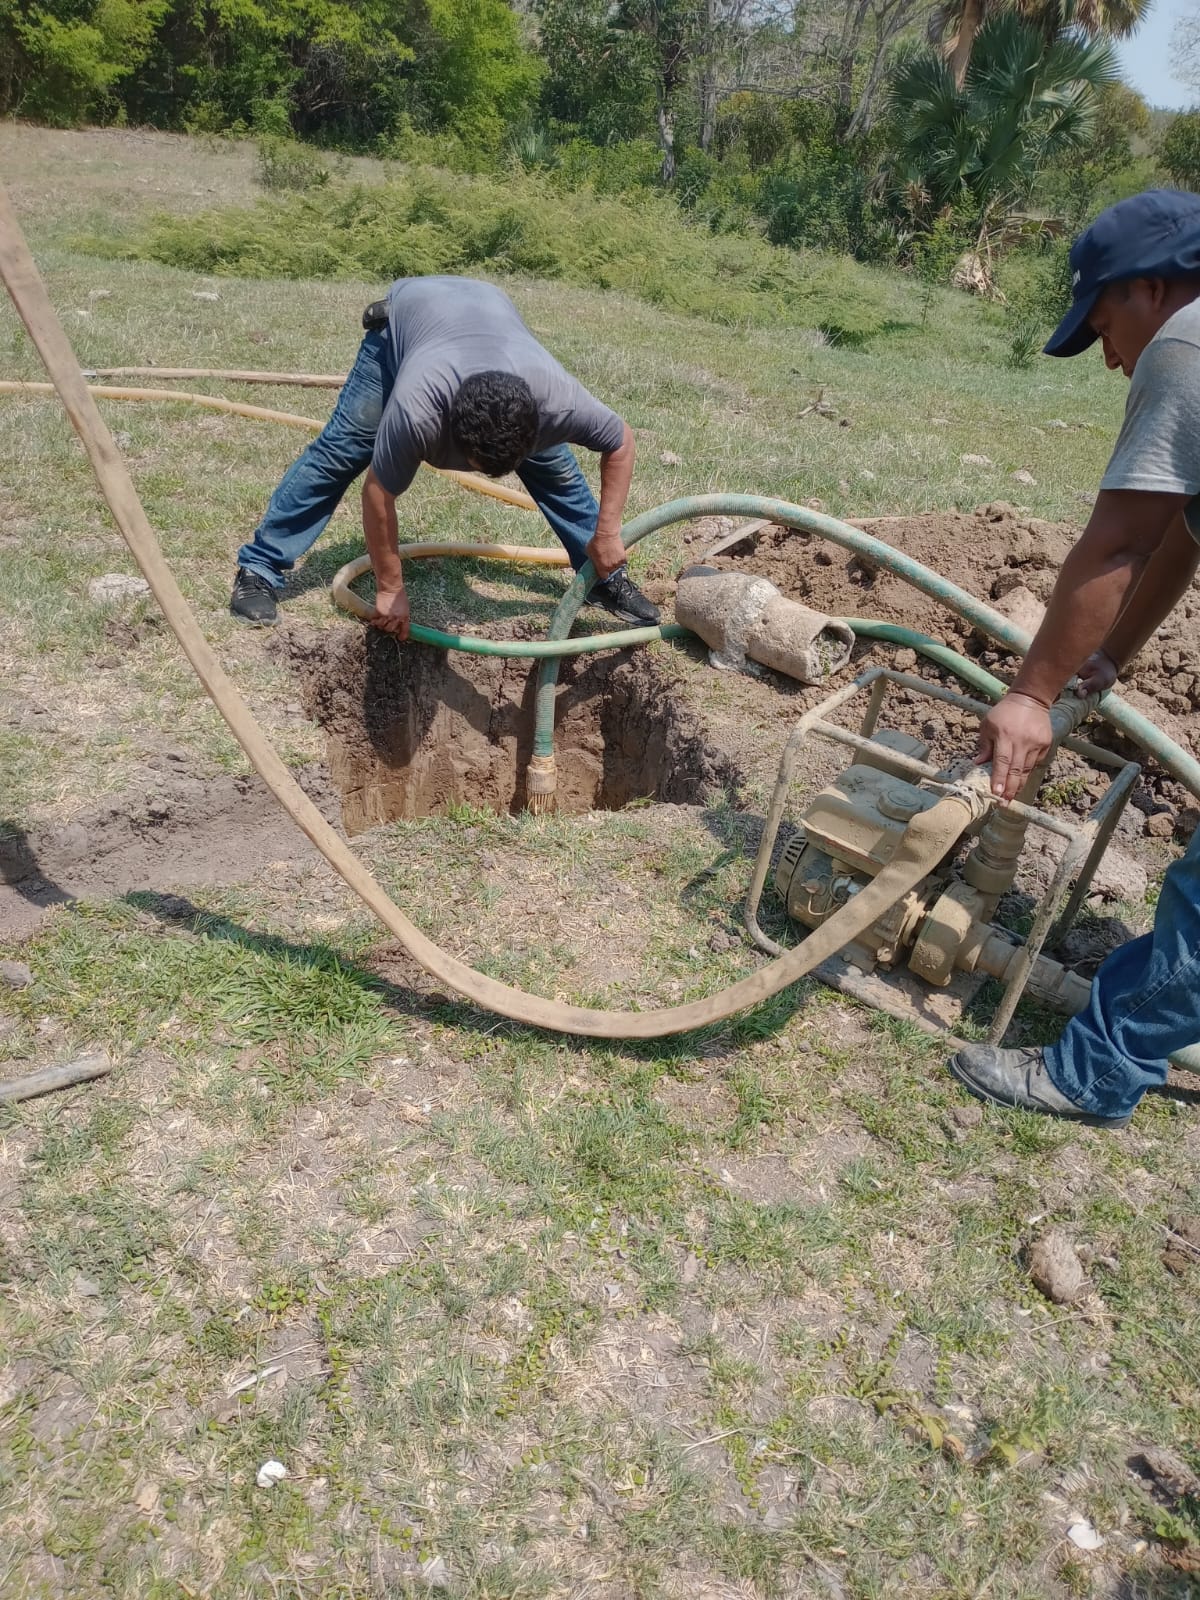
383, 546
1096, 581
616, 473
1163, 583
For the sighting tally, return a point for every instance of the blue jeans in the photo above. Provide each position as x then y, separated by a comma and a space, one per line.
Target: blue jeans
315, 482
1145, 1004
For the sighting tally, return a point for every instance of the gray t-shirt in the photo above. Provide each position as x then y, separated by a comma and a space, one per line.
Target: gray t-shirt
444, 329
1158, 448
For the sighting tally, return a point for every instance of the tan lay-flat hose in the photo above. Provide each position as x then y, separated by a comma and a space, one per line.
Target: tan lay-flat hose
289, 419
926, 840
296, 380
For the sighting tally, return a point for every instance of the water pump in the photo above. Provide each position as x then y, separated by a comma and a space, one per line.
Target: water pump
926, 957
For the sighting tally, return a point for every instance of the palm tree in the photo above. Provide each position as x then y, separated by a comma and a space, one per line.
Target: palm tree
1098, 19
1023, 103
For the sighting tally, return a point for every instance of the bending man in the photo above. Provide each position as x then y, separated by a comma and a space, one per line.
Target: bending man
449, 374
1136, 287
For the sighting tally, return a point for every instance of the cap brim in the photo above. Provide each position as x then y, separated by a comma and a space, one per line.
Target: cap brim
1074, 333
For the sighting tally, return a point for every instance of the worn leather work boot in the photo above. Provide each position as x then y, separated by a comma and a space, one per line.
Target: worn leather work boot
1019, 1078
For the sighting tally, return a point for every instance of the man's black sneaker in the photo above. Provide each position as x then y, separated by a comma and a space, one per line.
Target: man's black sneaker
253, 599
620, 595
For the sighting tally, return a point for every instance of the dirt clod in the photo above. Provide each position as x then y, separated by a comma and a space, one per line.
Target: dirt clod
1023, 607
1183, 1247
114, 587
1161, 825
15, 975
1054, 1268
1169, 1476
1120, 877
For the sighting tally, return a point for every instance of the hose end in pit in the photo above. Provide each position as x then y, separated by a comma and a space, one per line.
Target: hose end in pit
541, 785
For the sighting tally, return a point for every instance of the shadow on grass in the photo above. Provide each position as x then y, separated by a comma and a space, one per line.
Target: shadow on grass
176, 911
406, 988
542, 584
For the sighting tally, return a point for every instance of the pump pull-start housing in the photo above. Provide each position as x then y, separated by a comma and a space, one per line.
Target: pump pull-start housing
848, 833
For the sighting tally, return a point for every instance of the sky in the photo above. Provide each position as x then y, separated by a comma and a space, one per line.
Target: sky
1145, 58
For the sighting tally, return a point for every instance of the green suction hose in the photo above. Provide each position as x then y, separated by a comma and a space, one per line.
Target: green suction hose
546, 649
1178, 762
963, 667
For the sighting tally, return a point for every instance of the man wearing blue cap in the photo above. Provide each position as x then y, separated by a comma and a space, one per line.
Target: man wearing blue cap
1135, 280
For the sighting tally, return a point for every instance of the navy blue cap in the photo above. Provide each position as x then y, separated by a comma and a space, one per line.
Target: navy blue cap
1151, 235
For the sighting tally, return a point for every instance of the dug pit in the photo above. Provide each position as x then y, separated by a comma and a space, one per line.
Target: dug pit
413, 731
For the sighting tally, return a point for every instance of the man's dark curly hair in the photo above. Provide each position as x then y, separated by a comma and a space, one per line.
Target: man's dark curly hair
494, 421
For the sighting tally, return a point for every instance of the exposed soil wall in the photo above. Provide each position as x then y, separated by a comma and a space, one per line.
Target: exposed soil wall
415, 731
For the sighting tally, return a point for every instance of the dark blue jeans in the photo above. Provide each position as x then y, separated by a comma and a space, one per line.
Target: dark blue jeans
315, 482
1145, 1004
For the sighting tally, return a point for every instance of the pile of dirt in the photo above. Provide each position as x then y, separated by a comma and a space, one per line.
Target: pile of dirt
182, 831
996, 553
989, 552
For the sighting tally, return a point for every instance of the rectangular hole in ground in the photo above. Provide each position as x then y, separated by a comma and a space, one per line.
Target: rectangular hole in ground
413, 731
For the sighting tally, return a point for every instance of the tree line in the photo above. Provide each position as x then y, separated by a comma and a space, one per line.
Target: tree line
889, 129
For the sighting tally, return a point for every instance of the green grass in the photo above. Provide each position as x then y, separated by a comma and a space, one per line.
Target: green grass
716, 1308
575, 1319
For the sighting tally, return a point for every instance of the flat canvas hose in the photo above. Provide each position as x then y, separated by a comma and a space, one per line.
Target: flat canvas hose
289, 419
293, 380
927, 839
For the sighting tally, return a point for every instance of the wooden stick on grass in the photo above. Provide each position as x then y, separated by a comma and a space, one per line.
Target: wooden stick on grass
96, 1065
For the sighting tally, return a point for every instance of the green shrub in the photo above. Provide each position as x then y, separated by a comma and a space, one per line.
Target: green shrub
532, 148
62, 59
821, 198
629, 168
1037, 288
754, 124
721, 195
1179, 150
433, 221
935, 252
285, 164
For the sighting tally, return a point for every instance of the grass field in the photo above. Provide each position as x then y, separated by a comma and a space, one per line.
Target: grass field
744, 1315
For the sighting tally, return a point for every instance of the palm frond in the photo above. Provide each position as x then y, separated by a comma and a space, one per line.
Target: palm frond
1025, 101
1071, 57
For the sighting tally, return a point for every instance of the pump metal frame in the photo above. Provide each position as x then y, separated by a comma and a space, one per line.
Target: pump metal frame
1086, 841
